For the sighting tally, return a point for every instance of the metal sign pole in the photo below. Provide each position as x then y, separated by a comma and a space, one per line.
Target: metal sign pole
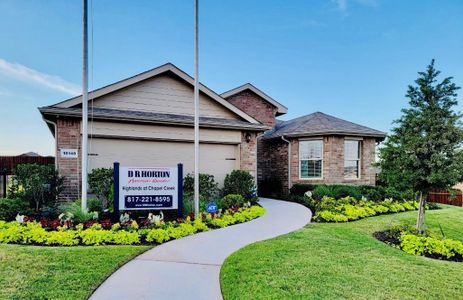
84, 152
116, 188
180, 190
196, 119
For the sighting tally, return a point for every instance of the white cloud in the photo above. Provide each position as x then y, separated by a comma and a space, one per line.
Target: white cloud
26, 74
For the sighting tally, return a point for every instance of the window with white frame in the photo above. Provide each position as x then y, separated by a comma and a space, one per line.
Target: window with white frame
351, 159
310, 159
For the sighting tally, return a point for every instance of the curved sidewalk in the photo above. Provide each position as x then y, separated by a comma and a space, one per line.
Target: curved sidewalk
189, 268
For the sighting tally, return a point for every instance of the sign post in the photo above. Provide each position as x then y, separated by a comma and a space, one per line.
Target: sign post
148, 188
116, 188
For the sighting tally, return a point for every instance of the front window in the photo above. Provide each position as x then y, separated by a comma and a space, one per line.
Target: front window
310, 159
351, 159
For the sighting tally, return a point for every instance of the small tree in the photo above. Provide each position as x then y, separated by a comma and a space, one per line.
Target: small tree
423, 151
101, 181
39, 184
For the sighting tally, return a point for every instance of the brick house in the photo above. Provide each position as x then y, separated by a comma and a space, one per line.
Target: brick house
147, 119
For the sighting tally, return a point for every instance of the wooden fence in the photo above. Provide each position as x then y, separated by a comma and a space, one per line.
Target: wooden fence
446, 198
8, 163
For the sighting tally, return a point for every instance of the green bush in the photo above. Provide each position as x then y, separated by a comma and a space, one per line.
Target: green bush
231, 200
94, 204
74, 212
38, 184
33, 233
299, 189
410, 241
100, 181
240, 182
336, 191
349, 209
10, 208
208, 188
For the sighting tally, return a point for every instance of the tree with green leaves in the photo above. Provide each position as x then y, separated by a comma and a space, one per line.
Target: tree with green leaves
423, 150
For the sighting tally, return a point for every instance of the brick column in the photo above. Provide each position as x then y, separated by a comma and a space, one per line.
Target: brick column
248, 153
68, 137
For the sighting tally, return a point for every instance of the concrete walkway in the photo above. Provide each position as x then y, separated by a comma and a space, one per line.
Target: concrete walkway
189, 268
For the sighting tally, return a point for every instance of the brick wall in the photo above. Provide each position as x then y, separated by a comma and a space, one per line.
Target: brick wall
255, 106
248, 153
273, 162
272, 167
68, 137
333, 162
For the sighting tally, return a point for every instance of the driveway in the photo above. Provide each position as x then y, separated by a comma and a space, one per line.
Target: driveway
189, 268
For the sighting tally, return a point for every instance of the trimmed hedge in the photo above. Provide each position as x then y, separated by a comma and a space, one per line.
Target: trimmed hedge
373, 193
349, 209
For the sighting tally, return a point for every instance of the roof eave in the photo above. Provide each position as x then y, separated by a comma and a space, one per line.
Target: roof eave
378, 137
47, 111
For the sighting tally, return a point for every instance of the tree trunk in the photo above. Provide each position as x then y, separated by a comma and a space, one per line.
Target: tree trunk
421, 211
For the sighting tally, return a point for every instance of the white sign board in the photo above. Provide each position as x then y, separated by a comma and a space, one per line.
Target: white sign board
69, 153
148, 188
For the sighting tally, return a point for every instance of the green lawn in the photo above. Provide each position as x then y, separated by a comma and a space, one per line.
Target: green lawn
344, 261
30, 272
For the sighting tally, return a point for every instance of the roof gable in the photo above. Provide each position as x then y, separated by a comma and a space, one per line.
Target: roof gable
320, 124
167, 69
281, 109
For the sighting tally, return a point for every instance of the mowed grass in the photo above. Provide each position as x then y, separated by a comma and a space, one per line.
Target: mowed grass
32, 272
344, 261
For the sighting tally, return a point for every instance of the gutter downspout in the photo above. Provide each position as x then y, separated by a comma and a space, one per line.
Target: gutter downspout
56, 140
258, 136
289, 161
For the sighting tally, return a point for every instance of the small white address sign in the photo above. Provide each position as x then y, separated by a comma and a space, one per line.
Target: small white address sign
69, 153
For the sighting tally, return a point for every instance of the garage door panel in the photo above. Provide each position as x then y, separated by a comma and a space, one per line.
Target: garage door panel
215, 159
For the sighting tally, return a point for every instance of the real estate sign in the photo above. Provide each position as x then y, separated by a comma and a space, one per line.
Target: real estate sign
148, 188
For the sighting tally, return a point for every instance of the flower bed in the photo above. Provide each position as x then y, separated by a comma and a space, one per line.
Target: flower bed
350, 209
126, 232
427, 244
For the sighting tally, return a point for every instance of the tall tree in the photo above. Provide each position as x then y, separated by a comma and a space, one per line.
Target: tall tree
423, 151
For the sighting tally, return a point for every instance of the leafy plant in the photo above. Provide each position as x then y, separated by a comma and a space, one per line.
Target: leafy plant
231, 200
240, 182
101, 181
208, 187
9, 208
38, 184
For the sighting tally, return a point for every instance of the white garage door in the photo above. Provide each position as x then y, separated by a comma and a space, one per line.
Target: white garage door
215, 159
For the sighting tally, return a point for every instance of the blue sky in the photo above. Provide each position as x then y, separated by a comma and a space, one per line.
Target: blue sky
349, 58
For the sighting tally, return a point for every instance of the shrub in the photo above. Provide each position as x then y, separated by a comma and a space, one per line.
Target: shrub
74, 212
231, 200
100, 181
349, 209
94, 204
31, 232
9, 208
157, 235
208, 188
240, 182
38, 184
299, 189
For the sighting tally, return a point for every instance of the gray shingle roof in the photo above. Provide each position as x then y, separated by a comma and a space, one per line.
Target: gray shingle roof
317, 124
151, 117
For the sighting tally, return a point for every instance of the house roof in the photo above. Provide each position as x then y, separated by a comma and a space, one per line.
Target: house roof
281, 108
166, 68
317, 124
150, 117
